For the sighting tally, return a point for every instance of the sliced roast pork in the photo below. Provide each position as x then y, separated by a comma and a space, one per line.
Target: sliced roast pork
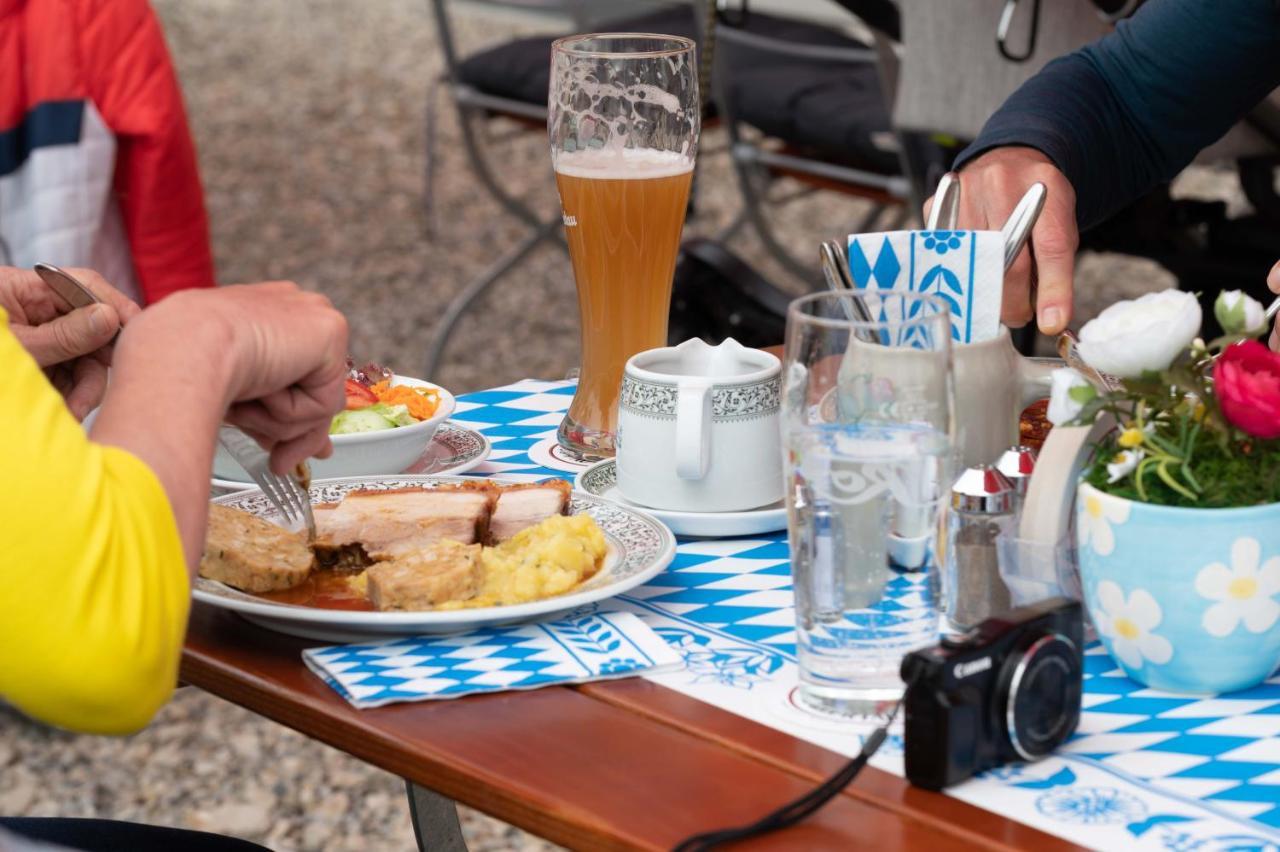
386, 524
522, 506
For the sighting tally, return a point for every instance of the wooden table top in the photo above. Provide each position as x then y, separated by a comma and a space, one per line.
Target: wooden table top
621, 764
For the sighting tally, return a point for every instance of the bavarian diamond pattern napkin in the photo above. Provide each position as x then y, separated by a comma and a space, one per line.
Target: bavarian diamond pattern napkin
599, 646
963, 268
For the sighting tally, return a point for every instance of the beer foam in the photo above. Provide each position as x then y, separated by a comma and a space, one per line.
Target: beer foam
622, 163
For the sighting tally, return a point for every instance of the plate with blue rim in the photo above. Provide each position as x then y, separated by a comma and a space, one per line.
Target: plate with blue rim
601, 480
639, 547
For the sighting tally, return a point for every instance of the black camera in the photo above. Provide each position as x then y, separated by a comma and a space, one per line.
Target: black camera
1007, 690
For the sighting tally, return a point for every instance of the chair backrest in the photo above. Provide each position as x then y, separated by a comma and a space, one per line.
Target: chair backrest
951, 75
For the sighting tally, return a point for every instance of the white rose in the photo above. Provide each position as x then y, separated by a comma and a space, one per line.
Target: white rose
1069, 393
1131, 337
1239, 314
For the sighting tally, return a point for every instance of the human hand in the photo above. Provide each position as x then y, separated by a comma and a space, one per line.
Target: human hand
73, 346
283, 352
991, 186
1273, 282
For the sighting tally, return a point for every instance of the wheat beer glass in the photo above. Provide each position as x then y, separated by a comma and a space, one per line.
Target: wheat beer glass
623, 118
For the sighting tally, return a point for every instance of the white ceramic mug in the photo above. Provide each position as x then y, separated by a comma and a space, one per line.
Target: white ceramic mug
698, 428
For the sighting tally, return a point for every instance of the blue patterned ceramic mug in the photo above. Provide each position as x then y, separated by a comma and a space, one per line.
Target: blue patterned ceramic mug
1185, 600
963, 268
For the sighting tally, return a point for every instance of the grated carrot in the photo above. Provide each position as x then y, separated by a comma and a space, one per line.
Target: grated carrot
421, 402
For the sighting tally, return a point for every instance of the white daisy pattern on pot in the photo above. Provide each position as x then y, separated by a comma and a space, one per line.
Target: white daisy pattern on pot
1244, 592
1128, 625
1097, 515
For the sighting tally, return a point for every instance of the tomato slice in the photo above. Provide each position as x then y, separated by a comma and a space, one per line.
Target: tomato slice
358, 396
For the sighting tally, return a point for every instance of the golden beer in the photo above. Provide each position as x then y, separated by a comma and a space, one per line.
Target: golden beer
623, 214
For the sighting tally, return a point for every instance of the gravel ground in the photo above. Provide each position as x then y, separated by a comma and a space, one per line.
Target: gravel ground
309, 122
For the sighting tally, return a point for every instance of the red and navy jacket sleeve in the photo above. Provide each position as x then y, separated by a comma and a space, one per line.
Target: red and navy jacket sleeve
126, 68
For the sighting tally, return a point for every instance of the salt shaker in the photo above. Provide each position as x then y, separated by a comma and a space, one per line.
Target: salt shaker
1018, 463
983, 508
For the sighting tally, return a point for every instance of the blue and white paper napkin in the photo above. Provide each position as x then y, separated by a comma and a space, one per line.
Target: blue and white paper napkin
599, 646
963, 268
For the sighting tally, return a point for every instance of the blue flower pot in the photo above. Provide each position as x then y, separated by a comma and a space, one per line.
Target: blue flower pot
1185, 600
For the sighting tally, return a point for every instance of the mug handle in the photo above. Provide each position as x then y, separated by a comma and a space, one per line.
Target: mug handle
693, 429
1035, 377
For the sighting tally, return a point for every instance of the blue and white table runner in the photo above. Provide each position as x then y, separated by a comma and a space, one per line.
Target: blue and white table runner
1146, 770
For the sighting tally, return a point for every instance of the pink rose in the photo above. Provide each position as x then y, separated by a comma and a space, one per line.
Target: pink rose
1246, 379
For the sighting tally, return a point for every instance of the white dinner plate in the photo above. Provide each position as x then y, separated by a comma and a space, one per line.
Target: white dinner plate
453, 449
601, 480
640, 546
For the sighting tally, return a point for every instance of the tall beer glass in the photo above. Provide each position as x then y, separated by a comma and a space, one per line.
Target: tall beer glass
624, 117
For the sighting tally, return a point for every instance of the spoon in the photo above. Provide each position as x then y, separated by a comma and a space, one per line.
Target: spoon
1069, 352
1018, 227
66, 285
945, 212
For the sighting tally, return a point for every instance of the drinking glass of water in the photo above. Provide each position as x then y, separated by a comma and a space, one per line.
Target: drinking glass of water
866, 419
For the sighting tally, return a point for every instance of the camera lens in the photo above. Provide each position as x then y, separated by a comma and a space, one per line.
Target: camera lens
1042, 702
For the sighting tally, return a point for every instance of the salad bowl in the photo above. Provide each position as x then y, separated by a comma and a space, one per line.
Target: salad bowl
375, 453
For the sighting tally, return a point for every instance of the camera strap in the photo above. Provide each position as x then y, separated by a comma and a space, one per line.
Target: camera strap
795, 811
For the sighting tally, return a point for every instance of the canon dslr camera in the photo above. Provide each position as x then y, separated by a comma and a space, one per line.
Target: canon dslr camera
1007, 690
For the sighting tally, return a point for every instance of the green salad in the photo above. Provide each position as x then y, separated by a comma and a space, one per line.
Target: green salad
371, 418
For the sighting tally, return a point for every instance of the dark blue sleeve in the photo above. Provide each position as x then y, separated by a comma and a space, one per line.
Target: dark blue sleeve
1129, 111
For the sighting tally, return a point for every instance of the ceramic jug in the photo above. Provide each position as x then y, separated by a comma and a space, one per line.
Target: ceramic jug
993, 383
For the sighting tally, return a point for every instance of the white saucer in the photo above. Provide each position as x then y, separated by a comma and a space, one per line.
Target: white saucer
601, 480
453, 450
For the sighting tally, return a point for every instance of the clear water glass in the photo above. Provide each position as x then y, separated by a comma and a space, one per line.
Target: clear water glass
867, 417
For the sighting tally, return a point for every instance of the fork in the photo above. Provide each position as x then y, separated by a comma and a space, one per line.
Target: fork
288, 494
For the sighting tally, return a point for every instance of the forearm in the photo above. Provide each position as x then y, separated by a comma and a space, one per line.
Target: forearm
163, 375
93, 590
1070, 114
1128, 112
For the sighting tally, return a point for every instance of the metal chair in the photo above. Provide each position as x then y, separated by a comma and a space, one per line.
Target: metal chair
819, 69
509, 81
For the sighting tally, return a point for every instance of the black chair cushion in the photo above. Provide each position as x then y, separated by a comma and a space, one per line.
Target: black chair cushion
521, 69
837, 111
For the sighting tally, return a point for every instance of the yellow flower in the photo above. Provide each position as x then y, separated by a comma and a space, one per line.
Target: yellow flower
1131, 437
1197, 413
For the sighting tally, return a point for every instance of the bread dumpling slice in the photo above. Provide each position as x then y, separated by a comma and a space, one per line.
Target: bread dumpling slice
253, 554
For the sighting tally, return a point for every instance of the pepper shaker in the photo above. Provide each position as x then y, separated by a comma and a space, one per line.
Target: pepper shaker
983, 508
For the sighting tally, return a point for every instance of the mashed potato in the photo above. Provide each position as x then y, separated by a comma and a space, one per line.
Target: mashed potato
542, 561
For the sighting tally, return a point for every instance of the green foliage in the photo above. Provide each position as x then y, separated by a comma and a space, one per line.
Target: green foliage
1191, 455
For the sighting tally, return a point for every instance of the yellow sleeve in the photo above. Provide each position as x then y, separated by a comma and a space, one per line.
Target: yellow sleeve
94, 591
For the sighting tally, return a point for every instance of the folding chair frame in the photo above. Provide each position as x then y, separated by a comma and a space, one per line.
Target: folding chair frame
473, 107
757, 166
